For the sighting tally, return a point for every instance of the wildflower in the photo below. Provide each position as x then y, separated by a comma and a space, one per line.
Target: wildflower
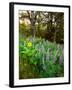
61, 60
50, 49
29, 44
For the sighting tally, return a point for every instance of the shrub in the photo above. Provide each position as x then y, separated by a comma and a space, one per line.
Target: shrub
42, 58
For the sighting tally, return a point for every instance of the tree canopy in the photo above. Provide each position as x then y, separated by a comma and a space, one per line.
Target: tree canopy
48, 25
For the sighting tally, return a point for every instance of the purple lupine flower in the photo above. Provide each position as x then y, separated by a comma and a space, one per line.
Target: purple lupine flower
50, 49
63, 51
54, 60
60, 60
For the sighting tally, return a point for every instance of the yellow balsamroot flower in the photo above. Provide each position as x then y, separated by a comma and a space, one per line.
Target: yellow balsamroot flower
29, 44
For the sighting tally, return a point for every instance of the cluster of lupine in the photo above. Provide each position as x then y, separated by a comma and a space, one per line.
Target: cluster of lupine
40, 58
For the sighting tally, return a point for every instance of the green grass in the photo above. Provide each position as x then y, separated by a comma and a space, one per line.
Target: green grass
39, 58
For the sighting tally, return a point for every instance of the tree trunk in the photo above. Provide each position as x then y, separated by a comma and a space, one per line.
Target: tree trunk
33, 23
55, 37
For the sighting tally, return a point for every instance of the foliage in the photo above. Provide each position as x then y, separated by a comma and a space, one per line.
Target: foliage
24, 30
41, 36
48, 25
40, 58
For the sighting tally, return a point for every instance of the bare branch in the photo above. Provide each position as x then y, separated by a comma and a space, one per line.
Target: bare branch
29, 15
